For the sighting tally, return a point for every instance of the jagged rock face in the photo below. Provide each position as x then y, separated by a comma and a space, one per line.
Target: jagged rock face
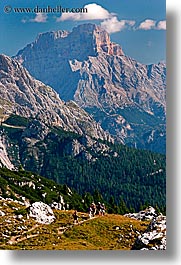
128, 98
21, 94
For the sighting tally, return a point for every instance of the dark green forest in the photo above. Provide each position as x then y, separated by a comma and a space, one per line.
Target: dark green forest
136, 176
124, 177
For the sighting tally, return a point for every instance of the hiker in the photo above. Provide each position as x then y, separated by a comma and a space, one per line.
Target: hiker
93, 206
75, 216
99, 210
92, 210
103, 209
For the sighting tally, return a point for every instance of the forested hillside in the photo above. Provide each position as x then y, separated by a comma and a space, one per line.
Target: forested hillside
116, 173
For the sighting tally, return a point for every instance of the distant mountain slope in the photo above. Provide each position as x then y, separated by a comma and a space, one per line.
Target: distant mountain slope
127, 98
23, 95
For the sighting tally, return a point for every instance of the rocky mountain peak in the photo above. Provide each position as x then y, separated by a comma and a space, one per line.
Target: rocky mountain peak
85, 66
69, 45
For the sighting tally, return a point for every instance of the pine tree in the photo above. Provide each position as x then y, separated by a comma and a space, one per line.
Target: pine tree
122, 206
112, 207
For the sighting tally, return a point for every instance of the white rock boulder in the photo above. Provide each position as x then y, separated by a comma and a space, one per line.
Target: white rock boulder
42, 213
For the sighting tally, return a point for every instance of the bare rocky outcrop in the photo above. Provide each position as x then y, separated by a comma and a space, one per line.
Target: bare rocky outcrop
147, 214
154, 237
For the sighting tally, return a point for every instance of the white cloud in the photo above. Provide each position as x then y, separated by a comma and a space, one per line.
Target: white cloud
114, 25
110, 21
161, 25
149, 43
39, 18
24, 20
94, 12
147, 24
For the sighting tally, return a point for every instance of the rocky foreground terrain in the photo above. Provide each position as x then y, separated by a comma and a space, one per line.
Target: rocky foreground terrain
36, 213
127, 98
41, 227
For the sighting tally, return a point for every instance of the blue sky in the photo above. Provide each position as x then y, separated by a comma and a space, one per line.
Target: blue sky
139, 26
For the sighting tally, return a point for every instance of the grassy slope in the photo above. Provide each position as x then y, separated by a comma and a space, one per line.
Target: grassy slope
95, 234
